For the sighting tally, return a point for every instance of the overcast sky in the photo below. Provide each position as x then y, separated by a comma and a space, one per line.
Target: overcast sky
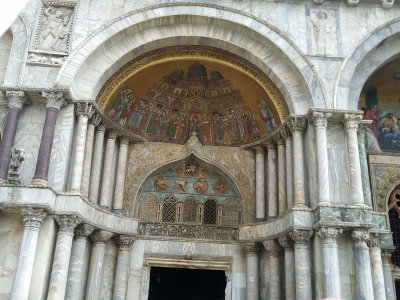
9, 11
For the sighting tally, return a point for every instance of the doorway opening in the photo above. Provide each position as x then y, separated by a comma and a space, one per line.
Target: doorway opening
186, 284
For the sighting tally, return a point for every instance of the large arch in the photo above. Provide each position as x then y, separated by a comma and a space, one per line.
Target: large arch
118, 42
380, 47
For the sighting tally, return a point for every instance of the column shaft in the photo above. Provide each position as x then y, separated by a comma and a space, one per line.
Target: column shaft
77, 167
252, 292
289, 171
364, 163
260, 188
105, 195
96, 165
378, 279
387, 273
122, 269
281, 176
87, 160
273, 250
121, 172
290, 277
272, 182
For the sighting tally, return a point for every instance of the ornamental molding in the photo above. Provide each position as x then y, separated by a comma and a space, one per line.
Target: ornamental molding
101, 236
301, 236
33, 218
66, 223
54, 100
16, 99
82, 231
286, 242
85, 110
329, 234
123, 242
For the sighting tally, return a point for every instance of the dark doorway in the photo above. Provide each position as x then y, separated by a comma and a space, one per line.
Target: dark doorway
186, 284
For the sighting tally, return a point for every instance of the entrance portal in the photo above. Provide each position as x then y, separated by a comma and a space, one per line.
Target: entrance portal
186, 284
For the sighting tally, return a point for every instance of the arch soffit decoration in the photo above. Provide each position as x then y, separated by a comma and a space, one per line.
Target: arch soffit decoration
284, 63
235, 163
379, 47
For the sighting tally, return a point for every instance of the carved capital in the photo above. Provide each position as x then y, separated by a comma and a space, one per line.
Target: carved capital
375, 240
360, 235
16, 99
101, 128
33, 217
259, 150
351, 121
285, 133
95, 120
329, 234
84, 109
386, 255
286, 242
54, 100
124, 141
272, 247
301, 236
279, 139
123, 242
296, 124
271, 145
101, 236
66, 223
320, 119
112, 135
82, 231
251, 247
362, 127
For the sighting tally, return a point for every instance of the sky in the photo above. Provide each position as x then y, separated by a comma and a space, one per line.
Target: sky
9, 11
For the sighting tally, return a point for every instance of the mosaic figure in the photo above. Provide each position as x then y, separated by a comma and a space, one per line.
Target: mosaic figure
121, 107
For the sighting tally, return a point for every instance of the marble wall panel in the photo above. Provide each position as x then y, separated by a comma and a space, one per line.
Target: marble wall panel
135, 270
347, 269
107, 278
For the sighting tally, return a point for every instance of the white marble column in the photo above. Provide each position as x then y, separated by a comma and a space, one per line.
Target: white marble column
296, 126
362, 265
387, 273
280, 141
106, 188
252, 291
289, 169
272, 181
273, 250
124, 243
351, 122
87, 159
363, 162
121, 173
330, 259
84, 111
62, 254
95, 173
99, 239
290, 287
78, 265
302, 267
260, 180
320, 121
378, 279
32, 219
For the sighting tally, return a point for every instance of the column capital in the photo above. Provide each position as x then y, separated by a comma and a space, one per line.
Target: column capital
296, 124
320, 119
351, 121
259, 149
271, 145
375, 239
16, 99
124, 141
123, 241
387, 254
301, 236
360, 235
54, 100
272, 247
95, 120
82, 231
364, 124
101, 236
84, 109
67, 223
286, 242
251, 247
112, 135
329, 234
285, 133
33, 217
101, 128
279, 138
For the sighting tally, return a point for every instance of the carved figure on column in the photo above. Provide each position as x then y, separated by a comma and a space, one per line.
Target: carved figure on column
17, 157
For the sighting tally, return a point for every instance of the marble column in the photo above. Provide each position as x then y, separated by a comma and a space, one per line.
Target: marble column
289, 169
3, 112
97, 158
84, 111
320, 121
351, 122
290, 287
387, 273
53, 104
124, 243
106, 188
362, 265
78, 266
62, 254
32, 219
302, 266
121, 173
273, 250
260, 180
330, 260
366, 188
378, 279
16, 101
251, 249
272, 181
296, 126
99, 238
87, 158
280, 141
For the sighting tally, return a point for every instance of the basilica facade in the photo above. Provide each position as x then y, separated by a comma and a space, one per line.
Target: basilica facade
163, 149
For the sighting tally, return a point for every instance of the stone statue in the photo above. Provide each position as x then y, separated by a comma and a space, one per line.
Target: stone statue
17, 157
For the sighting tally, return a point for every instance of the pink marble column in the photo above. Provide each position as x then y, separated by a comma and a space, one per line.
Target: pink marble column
53, 104
260, 180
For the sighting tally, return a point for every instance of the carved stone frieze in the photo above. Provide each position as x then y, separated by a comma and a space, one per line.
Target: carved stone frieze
286, 242
101, 236
320, 119
296, 124
123, 242
82, 231
16, 99
33, 217
37, 58
329, 234
251, 247
84, 109
301, 236
54, 100
351, 121
66, 223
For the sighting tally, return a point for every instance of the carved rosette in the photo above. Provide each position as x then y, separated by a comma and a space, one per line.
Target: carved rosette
16, 99
67, 223
375, 240
54, 100
360, 235
82, 231
123, 242
301, 236
296, 124
351, 121
251, 248
33, 217
286, 242
84, 109
95, 120
320, 119
101, 236
272, 247
329, 234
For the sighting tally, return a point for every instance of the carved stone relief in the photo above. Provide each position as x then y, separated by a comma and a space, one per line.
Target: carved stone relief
181, 185
324, 32
220, 187
200, 186
162, 184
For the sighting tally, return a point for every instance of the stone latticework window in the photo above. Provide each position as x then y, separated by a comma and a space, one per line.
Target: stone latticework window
190, 210
148, 208
230, 213
169, 209
210, 212
394, 219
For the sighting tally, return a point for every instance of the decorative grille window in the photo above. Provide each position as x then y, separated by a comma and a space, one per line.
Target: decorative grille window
169, 209
190, 210
394, 219
210, 212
